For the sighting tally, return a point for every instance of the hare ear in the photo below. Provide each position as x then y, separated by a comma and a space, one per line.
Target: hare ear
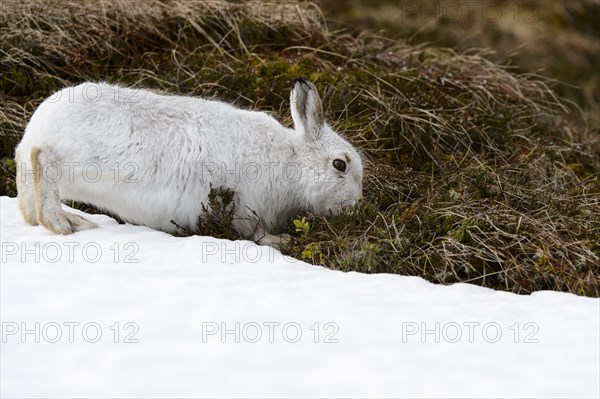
307, 109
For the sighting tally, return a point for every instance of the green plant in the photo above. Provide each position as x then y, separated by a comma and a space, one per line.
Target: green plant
302, 226
312, 252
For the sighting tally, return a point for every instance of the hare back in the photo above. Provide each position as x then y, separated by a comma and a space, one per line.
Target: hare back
149, 157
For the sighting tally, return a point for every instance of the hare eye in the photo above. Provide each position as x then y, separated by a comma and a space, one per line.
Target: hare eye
339, 165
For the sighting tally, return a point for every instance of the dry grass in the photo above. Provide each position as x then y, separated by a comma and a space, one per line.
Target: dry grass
475, 173
556, 39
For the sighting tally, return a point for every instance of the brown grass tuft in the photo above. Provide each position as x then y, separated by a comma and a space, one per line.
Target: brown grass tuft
475, 173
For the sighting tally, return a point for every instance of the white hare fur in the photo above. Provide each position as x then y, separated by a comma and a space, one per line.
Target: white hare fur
151, 158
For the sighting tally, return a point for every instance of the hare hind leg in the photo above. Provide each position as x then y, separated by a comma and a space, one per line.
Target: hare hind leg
48, 207
25, 191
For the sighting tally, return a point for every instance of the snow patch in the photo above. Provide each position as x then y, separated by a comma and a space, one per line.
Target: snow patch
222, 318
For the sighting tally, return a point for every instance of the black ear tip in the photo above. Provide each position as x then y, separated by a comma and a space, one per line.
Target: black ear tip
302, 81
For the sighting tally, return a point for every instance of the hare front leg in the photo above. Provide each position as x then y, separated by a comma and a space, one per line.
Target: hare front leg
277, 241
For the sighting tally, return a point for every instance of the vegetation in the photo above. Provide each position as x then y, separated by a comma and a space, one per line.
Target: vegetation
557, 39
476, 171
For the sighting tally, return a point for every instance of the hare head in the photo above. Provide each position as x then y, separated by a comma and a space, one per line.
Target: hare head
332, 168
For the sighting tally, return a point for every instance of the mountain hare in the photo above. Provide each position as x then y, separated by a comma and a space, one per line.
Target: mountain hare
152, 159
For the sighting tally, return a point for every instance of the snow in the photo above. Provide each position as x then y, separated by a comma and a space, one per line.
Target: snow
183, 292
